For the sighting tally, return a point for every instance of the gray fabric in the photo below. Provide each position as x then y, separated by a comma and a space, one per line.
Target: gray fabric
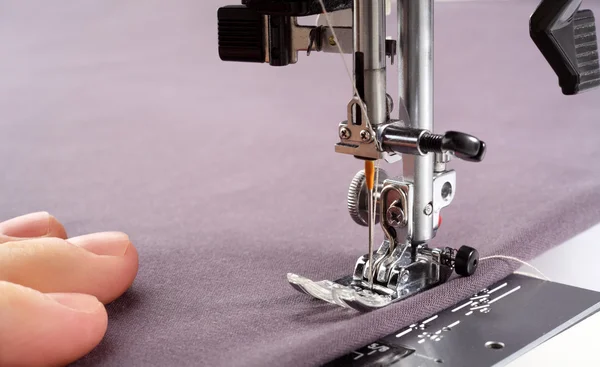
118, 115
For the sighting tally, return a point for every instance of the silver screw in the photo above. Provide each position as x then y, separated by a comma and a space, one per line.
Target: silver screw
428, 209
365, 136
404, 278
395, 216
440, 161
345, 133
442, 157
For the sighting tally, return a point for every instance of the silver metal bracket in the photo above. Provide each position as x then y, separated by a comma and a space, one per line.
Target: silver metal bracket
357, 138
321, 39
444, 190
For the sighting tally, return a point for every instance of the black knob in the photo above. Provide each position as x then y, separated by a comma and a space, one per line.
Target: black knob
464, 146
466, 261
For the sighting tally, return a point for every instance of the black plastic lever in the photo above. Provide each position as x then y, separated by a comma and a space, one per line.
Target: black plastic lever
566, 36
464, 146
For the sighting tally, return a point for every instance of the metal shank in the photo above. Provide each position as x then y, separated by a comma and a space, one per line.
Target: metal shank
370, 57
416, 89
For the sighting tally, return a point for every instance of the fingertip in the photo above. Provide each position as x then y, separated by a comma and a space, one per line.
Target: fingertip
103, 243
32, 225
28, 225
123, 255
128, 271
77, 301
47, 329
79, 265
87, 308
55, 228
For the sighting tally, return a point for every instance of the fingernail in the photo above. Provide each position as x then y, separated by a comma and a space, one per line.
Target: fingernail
105, 243
28, 225
77, 301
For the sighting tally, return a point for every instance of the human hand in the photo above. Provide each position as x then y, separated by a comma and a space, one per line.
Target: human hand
52, 289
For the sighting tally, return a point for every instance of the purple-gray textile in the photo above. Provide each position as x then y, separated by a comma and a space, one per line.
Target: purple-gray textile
119, 115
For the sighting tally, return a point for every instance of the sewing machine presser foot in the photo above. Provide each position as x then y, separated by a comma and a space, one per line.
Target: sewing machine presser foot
397, 276
400, 268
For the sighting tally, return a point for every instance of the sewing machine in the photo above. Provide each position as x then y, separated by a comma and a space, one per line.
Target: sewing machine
407, 207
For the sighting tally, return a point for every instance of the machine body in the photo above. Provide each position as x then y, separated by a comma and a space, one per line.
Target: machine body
408, 206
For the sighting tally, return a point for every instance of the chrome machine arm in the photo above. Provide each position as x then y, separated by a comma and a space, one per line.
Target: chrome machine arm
407, 208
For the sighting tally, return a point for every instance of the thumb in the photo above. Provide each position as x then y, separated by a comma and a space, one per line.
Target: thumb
52, 329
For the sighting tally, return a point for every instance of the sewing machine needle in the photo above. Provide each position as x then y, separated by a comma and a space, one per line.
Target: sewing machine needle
370, 178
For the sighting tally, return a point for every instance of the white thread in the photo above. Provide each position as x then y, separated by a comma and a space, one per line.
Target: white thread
341, 52
530, 275
503, 257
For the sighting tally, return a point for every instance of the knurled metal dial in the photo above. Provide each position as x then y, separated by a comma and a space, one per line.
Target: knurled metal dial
358, 197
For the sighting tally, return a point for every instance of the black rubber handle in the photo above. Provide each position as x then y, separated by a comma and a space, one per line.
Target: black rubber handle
463, 146
566, 36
